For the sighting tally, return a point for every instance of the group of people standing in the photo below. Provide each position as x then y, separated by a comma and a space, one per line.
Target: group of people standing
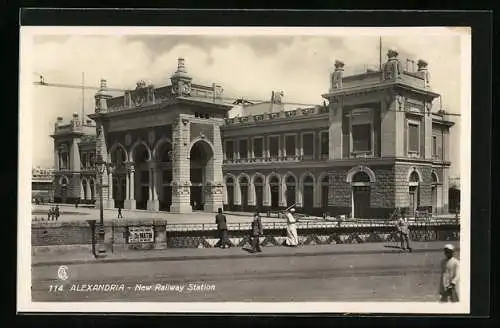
291, 240
53, 213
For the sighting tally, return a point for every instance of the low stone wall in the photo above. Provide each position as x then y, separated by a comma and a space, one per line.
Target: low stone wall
122, 235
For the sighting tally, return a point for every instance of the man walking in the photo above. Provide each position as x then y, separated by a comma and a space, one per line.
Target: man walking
292, 239
120, 216
56, 212
257, 231
450, 275
404, 233
220, 219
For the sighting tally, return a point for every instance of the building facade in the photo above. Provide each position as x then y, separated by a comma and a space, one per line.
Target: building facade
42, 188
373, 146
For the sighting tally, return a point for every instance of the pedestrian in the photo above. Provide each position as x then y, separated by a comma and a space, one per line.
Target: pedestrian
76, 203
221, 221
292, 238
49, 214
404, 233
120, 212
56, 212
257, 231
450, 275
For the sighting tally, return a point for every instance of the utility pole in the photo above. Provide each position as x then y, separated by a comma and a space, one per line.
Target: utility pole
83, 96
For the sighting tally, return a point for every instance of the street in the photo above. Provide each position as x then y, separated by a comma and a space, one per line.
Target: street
323, 277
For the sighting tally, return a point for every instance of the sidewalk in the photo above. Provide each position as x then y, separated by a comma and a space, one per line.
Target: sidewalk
183, 254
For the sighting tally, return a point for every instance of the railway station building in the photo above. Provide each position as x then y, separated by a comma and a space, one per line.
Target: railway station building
374, 145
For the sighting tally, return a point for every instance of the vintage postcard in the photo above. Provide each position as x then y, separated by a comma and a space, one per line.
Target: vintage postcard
243, 169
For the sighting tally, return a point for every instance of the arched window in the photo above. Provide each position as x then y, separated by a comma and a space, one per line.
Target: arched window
259, 192
361, 194
230, 192
290, 191
274, 185
308, 194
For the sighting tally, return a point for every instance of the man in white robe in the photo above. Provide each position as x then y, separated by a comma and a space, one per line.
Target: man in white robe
292, 238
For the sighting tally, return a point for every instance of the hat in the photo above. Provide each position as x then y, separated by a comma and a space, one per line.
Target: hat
449, 246
292, 210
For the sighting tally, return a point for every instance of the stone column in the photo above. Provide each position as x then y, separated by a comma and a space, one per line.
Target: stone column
89, 193
266, 197
299, 193
56, 157
153, 203
282, 193
181, 184
446, 186
335, 128
110, 200
215, 179
251, 194
82, 192
428, 136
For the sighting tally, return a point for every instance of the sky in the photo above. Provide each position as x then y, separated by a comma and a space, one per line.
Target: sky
246, 66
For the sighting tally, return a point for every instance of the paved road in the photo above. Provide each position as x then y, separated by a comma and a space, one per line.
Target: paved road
326, 277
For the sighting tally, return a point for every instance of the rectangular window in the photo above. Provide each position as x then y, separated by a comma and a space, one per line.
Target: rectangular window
413, 135
229, 150
258, 150
290, 145
324, 143
243, 148
434, 146
274, 146
361, 138
308, 144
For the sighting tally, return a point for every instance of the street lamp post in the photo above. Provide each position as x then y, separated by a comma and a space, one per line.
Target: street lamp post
101, 168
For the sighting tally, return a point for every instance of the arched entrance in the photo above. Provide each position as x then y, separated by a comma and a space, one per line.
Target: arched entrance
118, 158
434, 193
200, 155
414, 193
244, 193
230, 192
63, 183
274, 185
291, 186
259, 192
308, 194
165, 159
142, 189
324, 193
361, 195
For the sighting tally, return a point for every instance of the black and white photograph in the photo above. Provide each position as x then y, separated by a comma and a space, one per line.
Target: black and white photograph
243, 169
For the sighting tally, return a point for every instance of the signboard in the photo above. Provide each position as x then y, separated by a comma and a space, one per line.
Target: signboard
140, 234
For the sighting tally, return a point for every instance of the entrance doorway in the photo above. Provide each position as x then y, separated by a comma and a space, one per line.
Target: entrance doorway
361, 191
230, 193
324, 194
244, 193
414, 193
200, 156
274, 185
308, 195
290, 191
259, 192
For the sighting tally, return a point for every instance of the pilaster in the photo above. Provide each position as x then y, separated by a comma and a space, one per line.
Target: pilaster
181, 184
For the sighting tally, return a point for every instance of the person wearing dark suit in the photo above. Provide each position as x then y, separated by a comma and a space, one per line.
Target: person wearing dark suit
257, 231
220, 219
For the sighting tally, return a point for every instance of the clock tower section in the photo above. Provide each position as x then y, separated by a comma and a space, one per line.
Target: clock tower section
181, 80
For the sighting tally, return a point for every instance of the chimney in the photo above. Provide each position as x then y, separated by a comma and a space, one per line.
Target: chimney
181, 67
422, 70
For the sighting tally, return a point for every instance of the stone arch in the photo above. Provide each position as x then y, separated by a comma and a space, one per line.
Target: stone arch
434, 177
258, 174
133, 148
322, 194
233, 186
307, 199
272, 174
117, 145
158, 146
63, 179
360, 168
245, 196
290, 197
205, 140
417, 171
